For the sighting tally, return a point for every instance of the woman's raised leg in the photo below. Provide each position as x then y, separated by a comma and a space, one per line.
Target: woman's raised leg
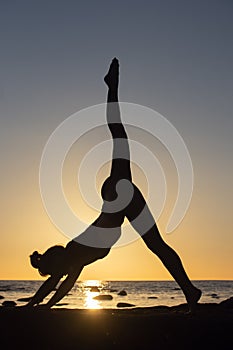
120, 168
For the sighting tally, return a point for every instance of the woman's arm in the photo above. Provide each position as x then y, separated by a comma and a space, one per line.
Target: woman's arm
64, 287
44, 290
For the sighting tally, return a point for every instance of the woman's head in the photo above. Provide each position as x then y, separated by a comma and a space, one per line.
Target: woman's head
50, 262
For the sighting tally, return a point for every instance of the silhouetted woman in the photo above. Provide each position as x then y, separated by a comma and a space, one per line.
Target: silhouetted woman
121, 198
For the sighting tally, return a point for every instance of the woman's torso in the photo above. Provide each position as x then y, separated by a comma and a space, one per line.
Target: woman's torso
96, 241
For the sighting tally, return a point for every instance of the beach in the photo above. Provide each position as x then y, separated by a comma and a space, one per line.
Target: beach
159, 327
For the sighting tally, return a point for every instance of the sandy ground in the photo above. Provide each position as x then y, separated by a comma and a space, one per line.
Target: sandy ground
211, 327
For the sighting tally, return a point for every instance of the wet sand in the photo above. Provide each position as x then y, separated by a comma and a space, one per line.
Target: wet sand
159, 327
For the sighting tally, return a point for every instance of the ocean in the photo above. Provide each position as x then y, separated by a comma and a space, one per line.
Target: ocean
138, 293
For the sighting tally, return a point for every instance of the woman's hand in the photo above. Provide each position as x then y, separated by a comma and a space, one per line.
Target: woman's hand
42, 307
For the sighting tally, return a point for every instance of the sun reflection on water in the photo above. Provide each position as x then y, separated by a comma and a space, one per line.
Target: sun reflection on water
91, 291
89, 302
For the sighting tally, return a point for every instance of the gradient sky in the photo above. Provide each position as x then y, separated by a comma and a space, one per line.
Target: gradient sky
176, 57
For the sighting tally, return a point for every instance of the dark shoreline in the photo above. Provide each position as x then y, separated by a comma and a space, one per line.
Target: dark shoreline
159, 327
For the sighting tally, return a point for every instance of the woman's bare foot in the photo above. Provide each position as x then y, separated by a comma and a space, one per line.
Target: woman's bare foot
112, 77
193, 299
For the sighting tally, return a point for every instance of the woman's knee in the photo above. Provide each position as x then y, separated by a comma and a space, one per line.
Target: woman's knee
154, 241
117, 130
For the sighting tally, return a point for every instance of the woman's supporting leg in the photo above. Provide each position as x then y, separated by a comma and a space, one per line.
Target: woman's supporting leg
142, 220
